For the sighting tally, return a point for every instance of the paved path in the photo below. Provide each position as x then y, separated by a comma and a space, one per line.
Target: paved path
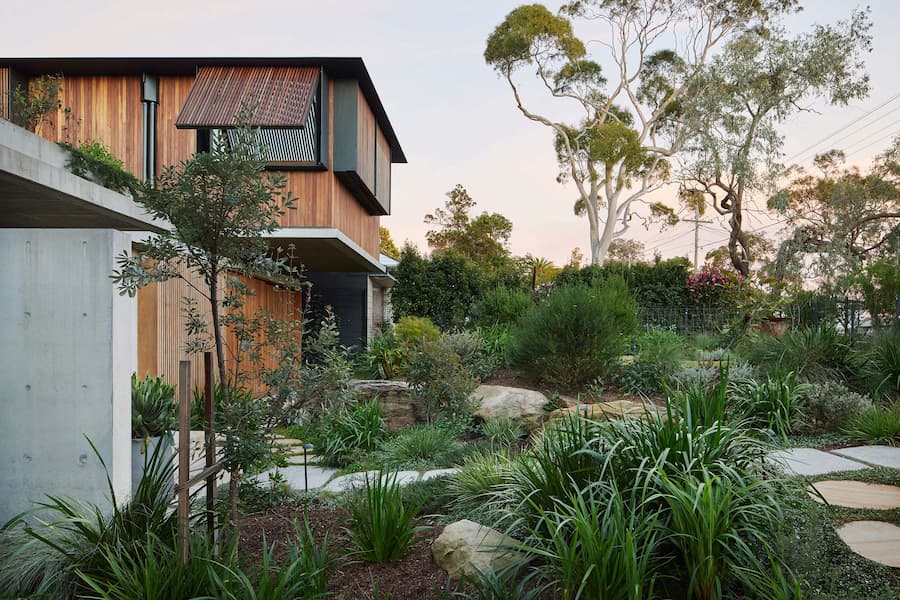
811, 462
327, 479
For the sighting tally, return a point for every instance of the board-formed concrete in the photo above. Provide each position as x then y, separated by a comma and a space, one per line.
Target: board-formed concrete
882, 456
811, 462
68, 347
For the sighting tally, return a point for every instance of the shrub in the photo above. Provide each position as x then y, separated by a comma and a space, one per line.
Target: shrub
501, 306
594, 545
827, 406
656, 363
479, 477
325, 380
875, 425
383, 356
441, 384
29, 106
423, 446
575, 335
383, 527
473, 353
497, 340
412, 331
816, 354
153, 408
502, 433
774, 403
340, 438
881, 364
94, 160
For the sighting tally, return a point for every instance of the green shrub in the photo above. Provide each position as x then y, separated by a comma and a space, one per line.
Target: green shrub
594, 545
875, 425
501, 306
422, 447
153, 408
502, 433
383, 357
94, 160
774, 403
440, 383
325, 380
881, 364
827, 406
479, 477
715, 521
815, 353
66, 538
382, 525
656, 363
497, 340
473, 353
575, 335
412, 331
339, 439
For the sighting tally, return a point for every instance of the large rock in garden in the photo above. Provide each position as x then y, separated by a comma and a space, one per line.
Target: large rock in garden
394, 399
465, 546
522, 406
605, 411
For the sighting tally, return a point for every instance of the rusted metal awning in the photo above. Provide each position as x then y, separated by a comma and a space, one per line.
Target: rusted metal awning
282, 96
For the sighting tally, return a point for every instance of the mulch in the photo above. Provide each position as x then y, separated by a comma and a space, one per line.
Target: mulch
415, 577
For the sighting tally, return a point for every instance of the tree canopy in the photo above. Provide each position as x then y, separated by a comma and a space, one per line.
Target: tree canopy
630, 126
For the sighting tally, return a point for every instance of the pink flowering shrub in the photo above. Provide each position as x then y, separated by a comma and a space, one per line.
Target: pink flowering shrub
711, 286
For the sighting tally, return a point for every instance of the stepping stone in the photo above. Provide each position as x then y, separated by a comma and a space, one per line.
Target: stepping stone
808, 461
358, 480
883, 456
875, 540
857, 494
293, 475
438, 473
288, 442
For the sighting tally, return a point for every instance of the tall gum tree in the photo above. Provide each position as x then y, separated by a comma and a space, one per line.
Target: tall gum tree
619, 151
762, 77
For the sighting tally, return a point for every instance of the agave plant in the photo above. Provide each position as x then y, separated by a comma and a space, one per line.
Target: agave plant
153, 409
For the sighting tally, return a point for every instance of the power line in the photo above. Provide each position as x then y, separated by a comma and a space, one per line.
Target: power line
849, 153
845, 127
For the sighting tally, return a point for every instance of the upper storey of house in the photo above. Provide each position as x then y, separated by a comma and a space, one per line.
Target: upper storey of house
320, 119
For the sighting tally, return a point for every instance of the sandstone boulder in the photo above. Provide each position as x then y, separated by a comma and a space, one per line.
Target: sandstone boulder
525, 407
605, 411
394, 399
465, 546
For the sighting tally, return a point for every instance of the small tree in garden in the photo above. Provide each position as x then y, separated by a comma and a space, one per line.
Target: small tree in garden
219, 205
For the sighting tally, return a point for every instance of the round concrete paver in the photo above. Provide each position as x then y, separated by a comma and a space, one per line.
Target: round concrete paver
857, 494
876, 540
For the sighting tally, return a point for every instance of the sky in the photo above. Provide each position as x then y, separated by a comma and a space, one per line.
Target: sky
455, 119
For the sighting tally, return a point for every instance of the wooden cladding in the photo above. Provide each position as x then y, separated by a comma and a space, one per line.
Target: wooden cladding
5, 90
105, 109
173, 145
366, 128
161, 327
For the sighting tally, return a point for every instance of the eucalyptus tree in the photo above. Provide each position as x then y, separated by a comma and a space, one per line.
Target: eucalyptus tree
843, 218
619, 150
763, 77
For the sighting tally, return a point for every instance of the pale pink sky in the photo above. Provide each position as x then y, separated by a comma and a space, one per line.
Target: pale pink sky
454, 118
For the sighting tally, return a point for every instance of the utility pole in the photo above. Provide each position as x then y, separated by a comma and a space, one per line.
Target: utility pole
696, 221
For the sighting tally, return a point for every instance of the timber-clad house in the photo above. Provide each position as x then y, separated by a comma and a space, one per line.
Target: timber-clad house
62, 325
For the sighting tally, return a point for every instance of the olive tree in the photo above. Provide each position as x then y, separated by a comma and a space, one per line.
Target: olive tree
631, 121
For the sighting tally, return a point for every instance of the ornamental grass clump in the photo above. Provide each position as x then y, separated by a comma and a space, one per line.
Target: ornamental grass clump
383, 528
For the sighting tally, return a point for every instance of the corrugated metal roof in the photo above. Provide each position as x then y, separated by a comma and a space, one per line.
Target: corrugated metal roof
282, 96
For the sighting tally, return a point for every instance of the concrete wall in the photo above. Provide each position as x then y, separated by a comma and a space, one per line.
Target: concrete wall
68, 346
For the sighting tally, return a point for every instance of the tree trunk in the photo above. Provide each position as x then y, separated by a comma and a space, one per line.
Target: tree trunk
738, 244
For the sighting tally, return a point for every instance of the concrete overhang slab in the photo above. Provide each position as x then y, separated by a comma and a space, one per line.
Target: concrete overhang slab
37, 191
324, 249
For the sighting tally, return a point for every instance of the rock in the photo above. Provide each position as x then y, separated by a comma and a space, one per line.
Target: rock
438, 473
465, 546
522, 406
394, 398
567, 401
605, 411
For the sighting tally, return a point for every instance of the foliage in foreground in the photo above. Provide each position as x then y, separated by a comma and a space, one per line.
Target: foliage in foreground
383, 526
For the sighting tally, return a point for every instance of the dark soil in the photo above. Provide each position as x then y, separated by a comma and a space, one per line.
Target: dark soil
415, 577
